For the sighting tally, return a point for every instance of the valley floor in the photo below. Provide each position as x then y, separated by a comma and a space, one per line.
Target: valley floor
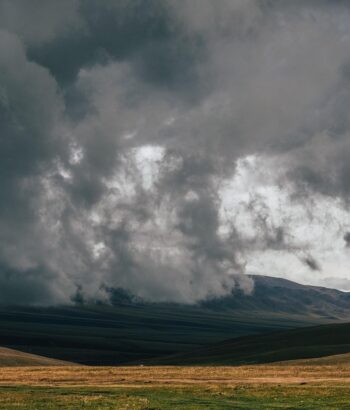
284, 386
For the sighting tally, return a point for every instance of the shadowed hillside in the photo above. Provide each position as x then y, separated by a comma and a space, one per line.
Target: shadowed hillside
131, 330
310, 342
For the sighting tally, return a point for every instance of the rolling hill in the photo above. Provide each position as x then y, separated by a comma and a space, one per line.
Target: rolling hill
286, 297
11, 358
332, 360
302, 343
132, 330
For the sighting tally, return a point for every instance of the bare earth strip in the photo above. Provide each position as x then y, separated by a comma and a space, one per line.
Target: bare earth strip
172, 375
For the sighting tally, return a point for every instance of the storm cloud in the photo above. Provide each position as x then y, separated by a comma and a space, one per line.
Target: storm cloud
169, 148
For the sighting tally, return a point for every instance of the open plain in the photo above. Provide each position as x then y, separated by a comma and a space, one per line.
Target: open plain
294, 385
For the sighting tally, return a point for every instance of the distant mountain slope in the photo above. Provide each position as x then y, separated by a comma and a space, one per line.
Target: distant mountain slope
10, 357
134, 330
302, 343
284, 296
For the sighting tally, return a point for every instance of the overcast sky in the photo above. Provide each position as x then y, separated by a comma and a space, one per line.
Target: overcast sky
171, 147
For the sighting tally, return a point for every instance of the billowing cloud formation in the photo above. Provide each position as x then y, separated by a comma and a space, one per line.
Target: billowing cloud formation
170, 147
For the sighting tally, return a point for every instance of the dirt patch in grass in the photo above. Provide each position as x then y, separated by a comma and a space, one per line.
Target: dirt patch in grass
172, 375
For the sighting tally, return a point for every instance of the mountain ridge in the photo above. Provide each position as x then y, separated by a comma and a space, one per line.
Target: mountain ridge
285, 296
133, 330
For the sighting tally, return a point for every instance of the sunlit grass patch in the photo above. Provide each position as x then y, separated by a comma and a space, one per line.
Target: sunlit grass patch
336, 396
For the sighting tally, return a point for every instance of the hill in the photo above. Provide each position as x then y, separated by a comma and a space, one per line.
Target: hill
132, 330
10, 357
332, 360
286, 297
303, 343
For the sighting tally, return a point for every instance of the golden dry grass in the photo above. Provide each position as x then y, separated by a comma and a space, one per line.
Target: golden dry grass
10, 357
263, 387
173, 375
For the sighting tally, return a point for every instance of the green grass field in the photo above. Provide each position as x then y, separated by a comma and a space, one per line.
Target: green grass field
266, 387
240, 397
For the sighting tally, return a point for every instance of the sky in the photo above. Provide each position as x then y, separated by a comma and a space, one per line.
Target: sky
171, 148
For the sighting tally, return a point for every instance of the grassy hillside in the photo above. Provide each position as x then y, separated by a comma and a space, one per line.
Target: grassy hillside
133, 330
286, 297
332, 360
113, 335
311, 342
10, 357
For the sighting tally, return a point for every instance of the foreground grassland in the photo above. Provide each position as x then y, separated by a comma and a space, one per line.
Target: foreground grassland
291, 386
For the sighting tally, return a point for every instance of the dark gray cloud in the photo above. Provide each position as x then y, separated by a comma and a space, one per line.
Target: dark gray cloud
120, 123
144, 33
40, 22
312, 263
347, 238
